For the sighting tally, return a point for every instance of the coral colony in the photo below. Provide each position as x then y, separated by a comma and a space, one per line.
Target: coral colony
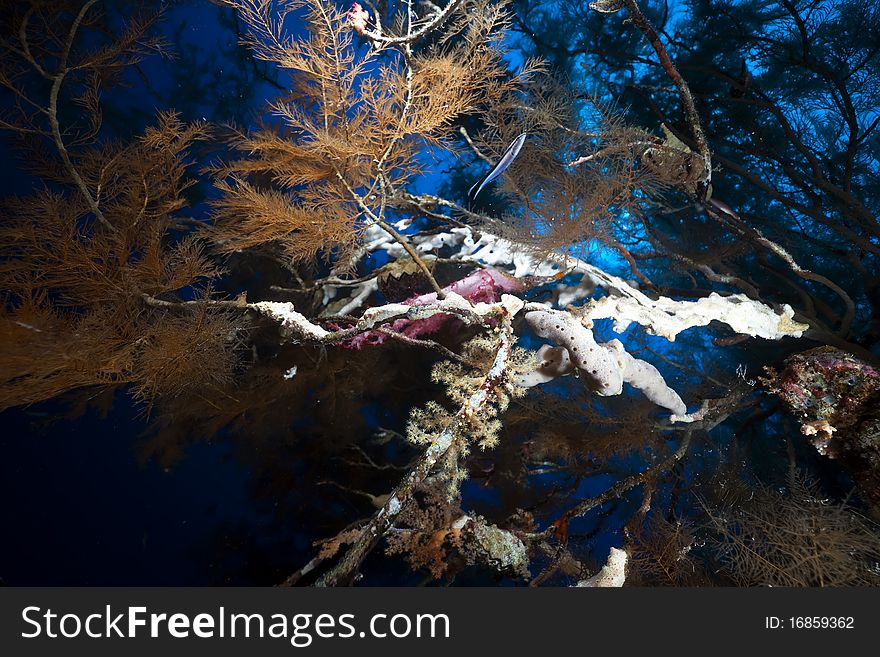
522, 340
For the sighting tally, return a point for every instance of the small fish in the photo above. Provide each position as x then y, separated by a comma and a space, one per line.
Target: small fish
505, 161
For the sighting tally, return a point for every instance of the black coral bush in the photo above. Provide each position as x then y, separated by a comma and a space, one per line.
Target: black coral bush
88, 256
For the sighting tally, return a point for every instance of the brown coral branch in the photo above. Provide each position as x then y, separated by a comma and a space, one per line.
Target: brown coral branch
625, 485
687, 100
712, 413
430, 344
400, 239
51, 110
388, 228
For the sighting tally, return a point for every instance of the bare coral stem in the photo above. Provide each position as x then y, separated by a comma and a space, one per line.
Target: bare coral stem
344, 571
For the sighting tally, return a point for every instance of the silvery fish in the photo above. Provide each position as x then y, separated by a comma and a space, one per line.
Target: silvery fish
505, 161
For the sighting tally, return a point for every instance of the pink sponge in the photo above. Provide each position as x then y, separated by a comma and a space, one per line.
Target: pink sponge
484, 285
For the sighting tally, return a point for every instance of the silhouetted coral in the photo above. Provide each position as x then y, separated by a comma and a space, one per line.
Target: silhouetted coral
795, 538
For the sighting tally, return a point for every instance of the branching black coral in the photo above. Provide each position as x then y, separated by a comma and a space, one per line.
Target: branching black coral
43, 50
350, 129
75, 312
796, 538
82, 253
